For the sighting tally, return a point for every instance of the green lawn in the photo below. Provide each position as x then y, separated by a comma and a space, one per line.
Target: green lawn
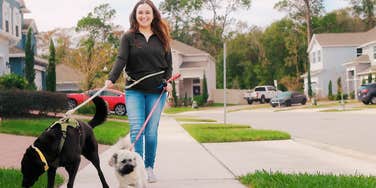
188, 119
107, 133
209, 133
263, 179
10, 178
176, 110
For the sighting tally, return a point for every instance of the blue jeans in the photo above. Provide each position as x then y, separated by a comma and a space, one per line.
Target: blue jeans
139, 105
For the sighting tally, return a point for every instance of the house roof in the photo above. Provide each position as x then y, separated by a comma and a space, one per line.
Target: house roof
66, 74
27, 23
371, 70
15, 52
187, 64
345, 39
186, 49
23, 6
313, 73
359, 59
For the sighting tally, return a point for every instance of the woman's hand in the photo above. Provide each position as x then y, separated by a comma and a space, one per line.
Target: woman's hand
168, 88
109, 84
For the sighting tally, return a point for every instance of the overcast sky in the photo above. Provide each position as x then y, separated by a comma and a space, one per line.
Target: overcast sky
50, 14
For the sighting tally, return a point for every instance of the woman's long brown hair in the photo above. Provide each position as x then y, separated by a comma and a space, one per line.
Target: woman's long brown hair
158, 26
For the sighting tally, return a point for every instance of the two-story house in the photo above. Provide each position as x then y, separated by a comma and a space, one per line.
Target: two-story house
192, 64
11, 12
17, 55
328, 52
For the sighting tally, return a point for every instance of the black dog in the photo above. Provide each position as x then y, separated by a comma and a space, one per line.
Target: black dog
62, 145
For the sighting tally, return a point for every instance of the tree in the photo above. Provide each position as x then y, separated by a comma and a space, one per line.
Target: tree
339, 88
51, 69
330, 90
99, 49
174, 94
205, 93
29, 61
300, 10
370, 78
310, 92
365, 9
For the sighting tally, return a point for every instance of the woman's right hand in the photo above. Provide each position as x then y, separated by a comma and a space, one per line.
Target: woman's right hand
109, 84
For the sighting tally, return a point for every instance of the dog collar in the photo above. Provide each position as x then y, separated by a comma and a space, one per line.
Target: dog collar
41, 156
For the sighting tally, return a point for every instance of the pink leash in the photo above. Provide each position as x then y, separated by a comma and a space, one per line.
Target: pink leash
174, 77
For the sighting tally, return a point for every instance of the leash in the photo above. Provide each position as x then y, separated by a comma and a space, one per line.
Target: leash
70, 112
143, 78
174, 77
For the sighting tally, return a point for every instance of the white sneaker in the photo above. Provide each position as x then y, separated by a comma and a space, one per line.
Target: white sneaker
151, 176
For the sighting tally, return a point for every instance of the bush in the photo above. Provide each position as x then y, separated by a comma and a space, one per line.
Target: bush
199, 99
87, 109
19, 103
281, 87
13, 81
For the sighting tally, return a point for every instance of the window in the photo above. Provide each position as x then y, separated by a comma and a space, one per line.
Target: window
16, 22
17, 34
6, 16
260, 89
359, 52
313, 57
319, 56
196, 81
374, 52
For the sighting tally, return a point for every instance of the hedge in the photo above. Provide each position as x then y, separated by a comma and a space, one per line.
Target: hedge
18, 103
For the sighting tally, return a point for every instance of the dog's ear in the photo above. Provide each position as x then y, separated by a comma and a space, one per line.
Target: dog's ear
113, 159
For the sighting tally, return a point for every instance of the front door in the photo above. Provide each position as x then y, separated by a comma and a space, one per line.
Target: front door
196, 90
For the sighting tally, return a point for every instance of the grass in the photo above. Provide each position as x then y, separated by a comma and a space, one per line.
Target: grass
211, 133
185, 119
338, 110
108, 133
263, 179
117, 117
10, 178
175, 110
253, 107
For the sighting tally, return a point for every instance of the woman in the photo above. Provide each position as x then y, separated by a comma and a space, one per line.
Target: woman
144, 50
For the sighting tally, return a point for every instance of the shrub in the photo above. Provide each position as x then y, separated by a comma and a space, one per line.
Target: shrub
13, 81
87, 109
199, 99
281, 87
19, 103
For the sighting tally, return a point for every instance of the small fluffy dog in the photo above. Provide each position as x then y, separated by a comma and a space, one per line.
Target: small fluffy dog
129, 168
62, 144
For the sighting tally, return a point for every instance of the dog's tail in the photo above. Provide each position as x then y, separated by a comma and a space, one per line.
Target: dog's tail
101, 112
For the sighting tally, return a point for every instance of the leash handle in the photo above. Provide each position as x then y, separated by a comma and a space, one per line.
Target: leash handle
70, 112
174, 77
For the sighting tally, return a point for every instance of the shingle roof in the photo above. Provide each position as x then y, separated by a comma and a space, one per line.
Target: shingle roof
65, 74
185, 49
346, 39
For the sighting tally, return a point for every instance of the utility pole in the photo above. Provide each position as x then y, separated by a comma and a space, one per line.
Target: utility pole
224, 84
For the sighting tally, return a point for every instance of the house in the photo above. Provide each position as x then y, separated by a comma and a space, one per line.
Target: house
17, 56
67, 79
192, 64
11, 12
328, 53
13, 32
364, 64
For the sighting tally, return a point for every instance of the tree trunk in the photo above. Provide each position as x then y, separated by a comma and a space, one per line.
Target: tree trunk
308, 20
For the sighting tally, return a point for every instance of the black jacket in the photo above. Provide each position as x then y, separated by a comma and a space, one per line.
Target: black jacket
140, 58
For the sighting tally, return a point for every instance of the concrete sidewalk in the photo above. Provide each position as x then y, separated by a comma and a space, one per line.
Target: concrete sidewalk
181, 163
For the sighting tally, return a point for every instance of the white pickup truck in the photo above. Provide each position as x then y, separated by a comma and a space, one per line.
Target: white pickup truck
260, 93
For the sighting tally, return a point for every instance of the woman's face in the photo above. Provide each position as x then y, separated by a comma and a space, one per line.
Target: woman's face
144, 15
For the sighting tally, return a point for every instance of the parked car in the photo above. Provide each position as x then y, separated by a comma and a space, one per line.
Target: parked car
367, 93
115, 99
288, 98
260, 93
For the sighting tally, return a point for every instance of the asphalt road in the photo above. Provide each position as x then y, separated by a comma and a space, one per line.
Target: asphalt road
353, 130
